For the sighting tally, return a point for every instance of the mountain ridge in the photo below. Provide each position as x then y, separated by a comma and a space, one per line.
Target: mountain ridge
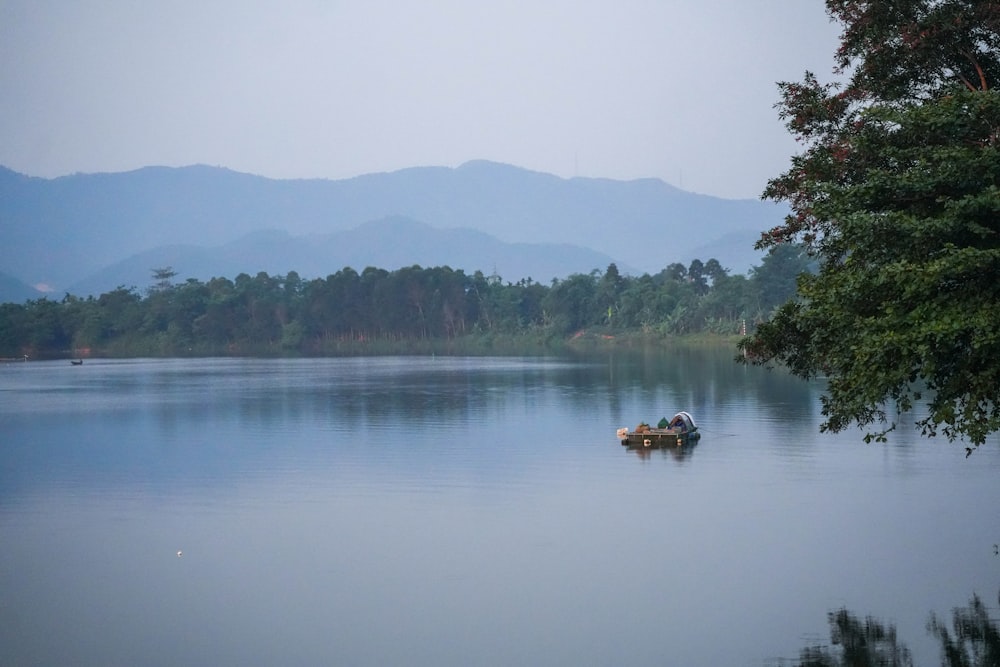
60, 231
319, 255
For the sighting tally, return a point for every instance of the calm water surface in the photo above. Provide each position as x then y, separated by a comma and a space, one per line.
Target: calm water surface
463, 511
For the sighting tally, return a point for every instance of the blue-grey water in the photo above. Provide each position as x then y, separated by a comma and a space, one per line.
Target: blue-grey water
463, 511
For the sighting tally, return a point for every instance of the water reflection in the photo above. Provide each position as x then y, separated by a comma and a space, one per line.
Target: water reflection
357, 388
708, 383
971, 640
482, 509
224, 414
679, 453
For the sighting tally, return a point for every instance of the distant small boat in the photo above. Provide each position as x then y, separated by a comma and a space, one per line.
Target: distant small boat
681, 430
76, 362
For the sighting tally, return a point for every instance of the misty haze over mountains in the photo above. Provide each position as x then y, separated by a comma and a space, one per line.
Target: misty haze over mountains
90, 233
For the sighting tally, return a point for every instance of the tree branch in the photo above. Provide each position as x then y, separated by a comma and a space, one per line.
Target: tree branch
983, 85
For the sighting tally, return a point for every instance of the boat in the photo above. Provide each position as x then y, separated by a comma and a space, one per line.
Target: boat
680, 430
76, 362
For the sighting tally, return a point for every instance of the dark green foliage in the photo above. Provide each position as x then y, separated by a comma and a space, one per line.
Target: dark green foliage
275, 314
897, 198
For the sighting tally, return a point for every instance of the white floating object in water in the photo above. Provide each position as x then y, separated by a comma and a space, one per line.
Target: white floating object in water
180, 553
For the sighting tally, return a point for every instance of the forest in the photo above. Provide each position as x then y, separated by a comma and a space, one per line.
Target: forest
409, 309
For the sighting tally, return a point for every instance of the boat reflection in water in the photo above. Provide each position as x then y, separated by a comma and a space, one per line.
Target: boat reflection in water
680, 452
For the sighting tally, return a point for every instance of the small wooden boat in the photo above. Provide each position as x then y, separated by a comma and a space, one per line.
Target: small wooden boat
679, 431
76, 362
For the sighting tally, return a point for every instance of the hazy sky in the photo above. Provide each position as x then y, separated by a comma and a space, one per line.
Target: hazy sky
681, 90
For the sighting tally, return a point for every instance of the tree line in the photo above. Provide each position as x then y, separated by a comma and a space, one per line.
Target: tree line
287, 314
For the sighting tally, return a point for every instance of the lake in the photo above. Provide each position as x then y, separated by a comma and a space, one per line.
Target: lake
464, 511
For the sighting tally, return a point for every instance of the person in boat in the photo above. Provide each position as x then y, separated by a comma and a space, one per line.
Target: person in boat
678, 423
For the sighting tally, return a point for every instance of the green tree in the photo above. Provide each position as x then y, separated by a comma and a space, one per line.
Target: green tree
13, 328
776, 278
262, 303
644, 303
571, 302
44, 328
725, 307
674, 271
897, 196
217, 326
715, 270
163, 279
609, 291
188, 302
678, 298
121, 310
697, 276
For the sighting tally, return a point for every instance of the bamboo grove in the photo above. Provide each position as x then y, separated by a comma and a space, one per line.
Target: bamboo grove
274, 314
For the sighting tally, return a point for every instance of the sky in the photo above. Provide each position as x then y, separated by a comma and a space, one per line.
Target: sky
681, 90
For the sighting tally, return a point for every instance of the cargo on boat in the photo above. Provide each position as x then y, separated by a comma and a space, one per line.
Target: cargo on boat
679, 431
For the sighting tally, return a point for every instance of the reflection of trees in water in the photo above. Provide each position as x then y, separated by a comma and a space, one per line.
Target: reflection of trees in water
694, 376
973, 640
857, 644
976, 640
667, 379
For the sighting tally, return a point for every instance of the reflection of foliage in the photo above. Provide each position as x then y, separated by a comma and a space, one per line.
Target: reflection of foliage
860, 644
976, 641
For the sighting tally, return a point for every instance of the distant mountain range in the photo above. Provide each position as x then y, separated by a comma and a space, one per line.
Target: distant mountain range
89, 233
13, 290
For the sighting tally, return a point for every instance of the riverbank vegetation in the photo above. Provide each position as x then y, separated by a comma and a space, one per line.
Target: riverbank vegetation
411, 310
